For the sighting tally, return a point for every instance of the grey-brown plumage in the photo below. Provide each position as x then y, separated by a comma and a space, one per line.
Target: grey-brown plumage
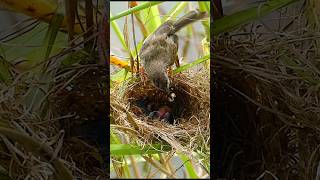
159, 50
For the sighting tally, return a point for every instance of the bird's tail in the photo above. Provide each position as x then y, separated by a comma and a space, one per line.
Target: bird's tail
188, 18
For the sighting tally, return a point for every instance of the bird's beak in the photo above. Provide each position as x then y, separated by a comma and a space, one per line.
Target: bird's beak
171, 97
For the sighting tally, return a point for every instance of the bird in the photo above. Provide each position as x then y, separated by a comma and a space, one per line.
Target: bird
159, 50
164, 112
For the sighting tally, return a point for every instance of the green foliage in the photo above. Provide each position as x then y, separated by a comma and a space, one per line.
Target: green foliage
52, 33
37, 94
5, 74
74, 58
129, 149
205, 7
175, 11
135, 9
119, 34
230, 22
192, 64
151, 17
31, 46
189, 167
4, 174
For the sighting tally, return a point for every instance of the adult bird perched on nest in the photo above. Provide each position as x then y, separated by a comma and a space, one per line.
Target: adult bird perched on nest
159, 50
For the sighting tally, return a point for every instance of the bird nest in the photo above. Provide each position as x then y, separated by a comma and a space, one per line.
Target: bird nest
70, 139
267, 104
189, 112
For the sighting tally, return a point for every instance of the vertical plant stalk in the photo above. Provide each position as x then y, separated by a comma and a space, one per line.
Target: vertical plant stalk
71, 6
137, 14
143, 28
312, 12
187, 42
217, 9
88, 44
134, 41
103, 37
126, 39
135, 167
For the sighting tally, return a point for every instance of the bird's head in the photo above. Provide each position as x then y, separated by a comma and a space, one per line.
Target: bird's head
160, 80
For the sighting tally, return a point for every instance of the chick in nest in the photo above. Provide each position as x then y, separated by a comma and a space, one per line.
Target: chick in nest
164, 112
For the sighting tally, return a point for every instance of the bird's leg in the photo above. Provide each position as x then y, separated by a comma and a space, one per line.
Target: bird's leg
143, 75
170, 72
176, 61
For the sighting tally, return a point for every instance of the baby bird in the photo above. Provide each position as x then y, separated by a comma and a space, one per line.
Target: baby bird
164, 112
159, 50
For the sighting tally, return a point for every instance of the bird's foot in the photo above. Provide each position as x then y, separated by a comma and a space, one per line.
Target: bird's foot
170, 72
177, 61
143, 75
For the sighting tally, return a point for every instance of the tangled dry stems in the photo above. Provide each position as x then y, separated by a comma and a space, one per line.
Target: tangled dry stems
280, 74
21, 160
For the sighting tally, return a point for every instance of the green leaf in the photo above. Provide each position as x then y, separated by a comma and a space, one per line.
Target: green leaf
203, 7
74, 58
114, 139
230, 22
37, 94
129, 149
189, 167
175, 11
121, 75
52, 32
190, 65
135, 9
4, 174
151, 17
5, 74
30, 46
118, 32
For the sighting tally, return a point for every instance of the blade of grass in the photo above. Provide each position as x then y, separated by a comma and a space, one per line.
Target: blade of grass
137, 8
129, 149
230, 22
127, 173
141, 24
5, 74
36, 94
190, 65
175, 11
114, 139
52, 33
151, 17
70, 8
206, 24
31, 47
4, 175
189, 167
118, 32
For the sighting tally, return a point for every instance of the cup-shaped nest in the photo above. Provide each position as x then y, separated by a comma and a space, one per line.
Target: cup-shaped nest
189, 113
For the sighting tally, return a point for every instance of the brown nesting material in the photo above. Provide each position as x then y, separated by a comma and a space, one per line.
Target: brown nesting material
268, 102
